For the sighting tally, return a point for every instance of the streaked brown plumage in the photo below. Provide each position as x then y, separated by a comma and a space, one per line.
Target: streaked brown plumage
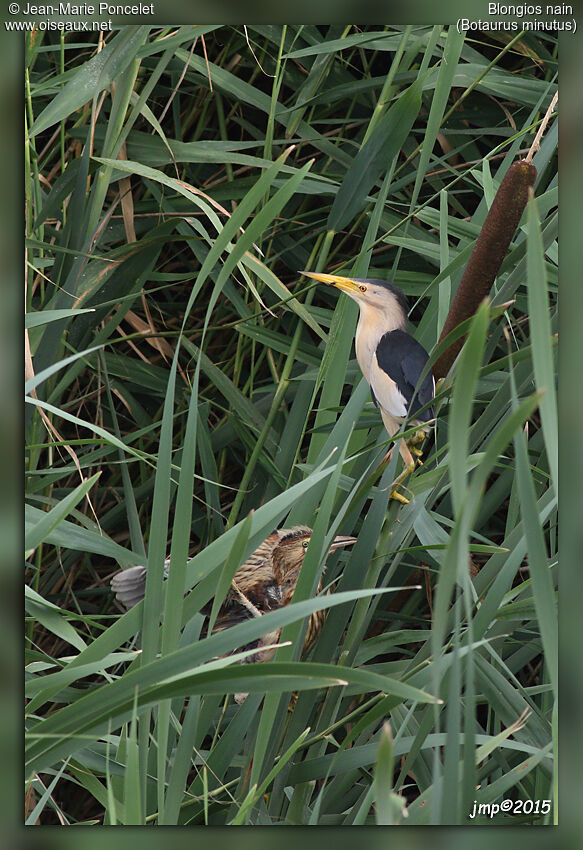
265, 582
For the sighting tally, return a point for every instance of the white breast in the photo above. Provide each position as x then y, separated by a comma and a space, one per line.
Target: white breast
372, 325
368, 335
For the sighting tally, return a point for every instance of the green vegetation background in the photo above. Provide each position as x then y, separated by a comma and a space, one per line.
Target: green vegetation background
176, 182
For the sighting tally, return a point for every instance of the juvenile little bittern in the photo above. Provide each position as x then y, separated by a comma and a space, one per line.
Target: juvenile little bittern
390, 359
265, 582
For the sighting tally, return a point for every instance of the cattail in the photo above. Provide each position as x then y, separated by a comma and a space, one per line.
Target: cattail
487, 256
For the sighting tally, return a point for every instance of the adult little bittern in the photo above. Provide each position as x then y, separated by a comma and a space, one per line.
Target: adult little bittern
390, 359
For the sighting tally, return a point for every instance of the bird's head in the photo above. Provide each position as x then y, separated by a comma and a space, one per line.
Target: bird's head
371, 295
288, 555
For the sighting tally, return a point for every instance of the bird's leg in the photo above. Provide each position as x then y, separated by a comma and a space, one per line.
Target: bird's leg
413, 442
409, 466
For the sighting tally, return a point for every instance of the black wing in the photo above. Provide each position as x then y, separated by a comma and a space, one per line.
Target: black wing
403, 359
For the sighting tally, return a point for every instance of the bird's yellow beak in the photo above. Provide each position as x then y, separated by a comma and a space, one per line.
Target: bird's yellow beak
346, 284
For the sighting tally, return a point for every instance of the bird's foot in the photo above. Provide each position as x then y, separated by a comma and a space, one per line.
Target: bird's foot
415, 439
398, 497
394, 494
418, 455
419, 436
413, 445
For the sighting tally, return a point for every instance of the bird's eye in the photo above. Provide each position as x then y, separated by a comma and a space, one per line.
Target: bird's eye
305, 544
362, 287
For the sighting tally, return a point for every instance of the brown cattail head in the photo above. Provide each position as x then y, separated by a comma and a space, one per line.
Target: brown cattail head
488, 254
